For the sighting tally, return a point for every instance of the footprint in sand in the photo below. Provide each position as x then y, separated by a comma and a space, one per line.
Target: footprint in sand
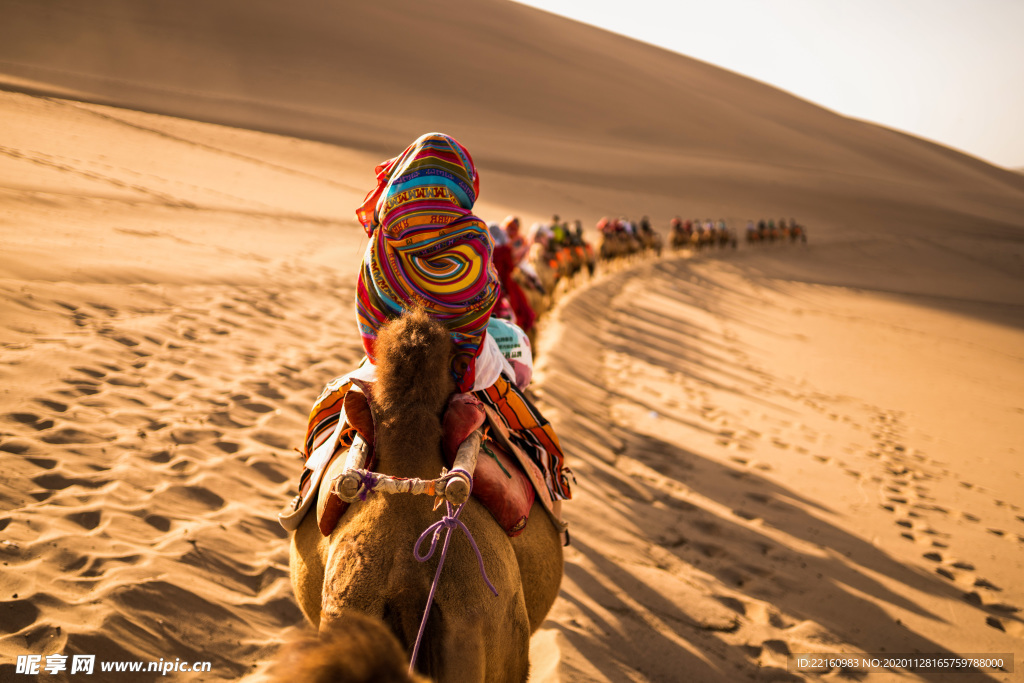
191, 436
44, 463
72, 435
257, 407
272, 439
125, 340
224, 420
55, 406
158, 522
31, 420
269, 470
189, 497
81, 388
15, 445
18, 614
160, 457
55, 481
103, 308
89, 519
125, 381
266, 391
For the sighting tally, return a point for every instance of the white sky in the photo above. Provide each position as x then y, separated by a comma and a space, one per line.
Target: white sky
948, 70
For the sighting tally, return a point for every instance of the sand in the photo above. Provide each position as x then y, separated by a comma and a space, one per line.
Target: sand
794, 448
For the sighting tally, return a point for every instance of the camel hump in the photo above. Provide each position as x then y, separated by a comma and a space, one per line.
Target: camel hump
413, 357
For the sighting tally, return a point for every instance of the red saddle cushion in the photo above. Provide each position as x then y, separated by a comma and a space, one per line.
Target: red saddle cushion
501, 486
498, 481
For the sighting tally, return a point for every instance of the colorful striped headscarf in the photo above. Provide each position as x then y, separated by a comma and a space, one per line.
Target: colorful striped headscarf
427, 249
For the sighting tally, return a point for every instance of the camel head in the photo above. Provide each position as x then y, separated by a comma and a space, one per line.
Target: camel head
413, 385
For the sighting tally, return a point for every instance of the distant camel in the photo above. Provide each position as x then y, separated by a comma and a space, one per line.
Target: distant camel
367, 563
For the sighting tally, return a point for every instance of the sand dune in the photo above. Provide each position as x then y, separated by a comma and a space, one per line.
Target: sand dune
534, 95
797, 449
781, 474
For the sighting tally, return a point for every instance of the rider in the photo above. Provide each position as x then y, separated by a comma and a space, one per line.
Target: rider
427, 250
559, 231
516, 241
512, 295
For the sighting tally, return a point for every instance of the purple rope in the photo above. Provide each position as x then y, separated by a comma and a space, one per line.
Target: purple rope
449, 521
369, 482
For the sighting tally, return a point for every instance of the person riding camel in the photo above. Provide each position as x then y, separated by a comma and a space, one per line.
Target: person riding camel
516, 241
558, 231
428, 251
502, 258
512, 296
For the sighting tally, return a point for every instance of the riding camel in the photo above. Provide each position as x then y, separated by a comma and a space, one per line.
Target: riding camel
547, 272
366, 564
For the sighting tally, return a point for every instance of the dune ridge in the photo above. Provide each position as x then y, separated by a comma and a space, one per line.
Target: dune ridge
542, 97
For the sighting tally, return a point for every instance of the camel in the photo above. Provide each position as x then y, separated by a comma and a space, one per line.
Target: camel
367, 565
541, 261
539, 301
681, 236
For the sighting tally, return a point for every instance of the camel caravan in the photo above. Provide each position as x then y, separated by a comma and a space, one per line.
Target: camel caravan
622, 238
699, 235
427, 533
534, 267
769, 231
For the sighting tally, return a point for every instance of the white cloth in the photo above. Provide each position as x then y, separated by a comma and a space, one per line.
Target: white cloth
491, 363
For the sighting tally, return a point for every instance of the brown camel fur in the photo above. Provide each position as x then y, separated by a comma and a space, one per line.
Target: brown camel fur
363, 650
367, 563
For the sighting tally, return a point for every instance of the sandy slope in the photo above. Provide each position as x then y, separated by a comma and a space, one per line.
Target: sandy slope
783, 473
532, 95
168, 309
763, 440
796, 449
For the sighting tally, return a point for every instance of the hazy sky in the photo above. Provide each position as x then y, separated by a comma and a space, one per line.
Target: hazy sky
948, 70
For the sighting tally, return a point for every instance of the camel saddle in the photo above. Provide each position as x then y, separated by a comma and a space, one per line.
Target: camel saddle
506, 481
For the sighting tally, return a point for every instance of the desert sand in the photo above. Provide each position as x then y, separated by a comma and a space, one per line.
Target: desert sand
785, 449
